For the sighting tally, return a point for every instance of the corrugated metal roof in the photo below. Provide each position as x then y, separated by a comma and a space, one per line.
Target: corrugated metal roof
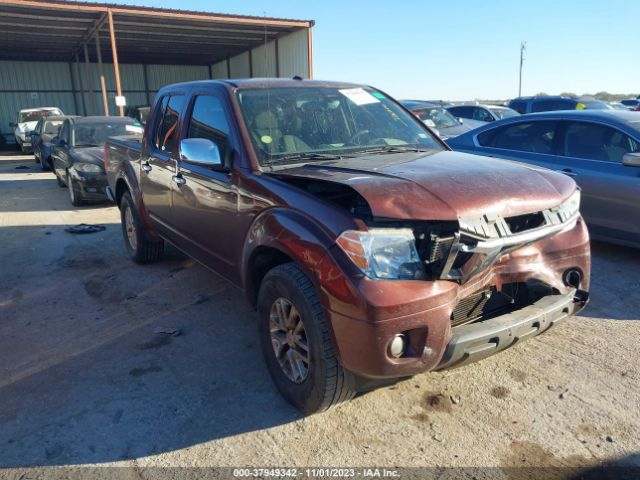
56, 30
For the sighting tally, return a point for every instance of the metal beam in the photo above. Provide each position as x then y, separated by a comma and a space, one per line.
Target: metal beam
103, 84
73, 89
114, 53
310, 52
89, 79
84, 104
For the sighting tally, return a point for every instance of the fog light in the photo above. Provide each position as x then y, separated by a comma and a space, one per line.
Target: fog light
397, 346
572, 277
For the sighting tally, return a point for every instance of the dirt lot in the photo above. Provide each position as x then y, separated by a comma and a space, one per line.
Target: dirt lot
84, 380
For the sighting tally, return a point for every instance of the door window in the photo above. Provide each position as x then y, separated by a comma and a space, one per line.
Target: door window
597, 142
535, 137
482, 115
209, 120
462, 112
168, 125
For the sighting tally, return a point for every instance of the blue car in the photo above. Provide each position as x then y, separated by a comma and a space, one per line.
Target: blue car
599, 149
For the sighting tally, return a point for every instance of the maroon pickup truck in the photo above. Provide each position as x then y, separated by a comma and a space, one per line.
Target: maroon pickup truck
370, 249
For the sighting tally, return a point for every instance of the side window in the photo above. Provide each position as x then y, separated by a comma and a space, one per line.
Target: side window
209, 120
168, 126
597, 142
535, 137
481, 114
462, 112
63, 135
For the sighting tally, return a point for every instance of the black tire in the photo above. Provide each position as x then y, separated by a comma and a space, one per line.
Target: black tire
44, 164
142, 250
326, 383
74, 193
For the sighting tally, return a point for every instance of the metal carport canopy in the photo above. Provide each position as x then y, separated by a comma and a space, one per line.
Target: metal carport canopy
38, 30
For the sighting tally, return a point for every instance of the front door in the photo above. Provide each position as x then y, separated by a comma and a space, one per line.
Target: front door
205, 201
158, 167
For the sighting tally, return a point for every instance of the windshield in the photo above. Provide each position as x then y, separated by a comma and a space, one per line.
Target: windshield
36, 115
438, 115
315, 123
96, 134
52, 127
504, 113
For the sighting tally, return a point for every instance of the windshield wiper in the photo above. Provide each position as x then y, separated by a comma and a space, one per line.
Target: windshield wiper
391, 149
304, 156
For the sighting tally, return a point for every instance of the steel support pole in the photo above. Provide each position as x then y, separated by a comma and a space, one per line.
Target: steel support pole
84, 103
103, 83
310, 52
89, 79
114, 51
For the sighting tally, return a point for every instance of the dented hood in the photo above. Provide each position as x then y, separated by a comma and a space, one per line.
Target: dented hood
443, 185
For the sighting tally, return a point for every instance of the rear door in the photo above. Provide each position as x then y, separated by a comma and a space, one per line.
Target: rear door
158, 166
610, 190
205, 202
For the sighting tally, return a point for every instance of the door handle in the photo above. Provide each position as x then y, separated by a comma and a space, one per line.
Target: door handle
568, 172
146, 167
179, 179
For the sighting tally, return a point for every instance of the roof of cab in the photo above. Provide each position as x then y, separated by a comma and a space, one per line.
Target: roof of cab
264, 83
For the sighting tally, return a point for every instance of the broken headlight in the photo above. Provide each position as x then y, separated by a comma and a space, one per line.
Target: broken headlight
383, 253
571, 206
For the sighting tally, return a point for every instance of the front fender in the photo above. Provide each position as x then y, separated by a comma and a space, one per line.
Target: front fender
299, 237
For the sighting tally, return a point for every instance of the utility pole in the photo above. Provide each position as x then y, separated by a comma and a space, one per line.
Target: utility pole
523, 47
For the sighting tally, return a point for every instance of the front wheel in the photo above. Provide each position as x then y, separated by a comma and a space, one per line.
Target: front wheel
140, 248
74, 195
296, 342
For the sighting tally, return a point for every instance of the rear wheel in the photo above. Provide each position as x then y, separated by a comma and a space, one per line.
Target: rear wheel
297, 344
140, 248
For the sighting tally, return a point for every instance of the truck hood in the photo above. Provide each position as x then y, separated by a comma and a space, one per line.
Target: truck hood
443, 185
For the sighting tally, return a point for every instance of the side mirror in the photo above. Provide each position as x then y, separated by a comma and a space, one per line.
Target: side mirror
631, 160
200, 151
460, 120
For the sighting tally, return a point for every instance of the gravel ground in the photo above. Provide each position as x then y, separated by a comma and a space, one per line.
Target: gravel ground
86, 380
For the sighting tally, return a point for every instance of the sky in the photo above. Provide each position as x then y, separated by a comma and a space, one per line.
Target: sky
462, 49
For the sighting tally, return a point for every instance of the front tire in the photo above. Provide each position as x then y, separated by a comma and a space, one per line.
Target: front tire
74, 194
140, 248
297, 344
44, 164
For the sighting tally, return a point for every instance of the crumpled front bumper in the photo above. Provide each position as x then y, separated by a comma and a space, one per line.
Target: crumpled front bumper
479, 340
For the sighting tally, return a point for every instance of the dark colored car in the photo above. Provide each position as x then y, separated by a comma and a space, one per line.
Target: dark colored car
77, 154
46, 130
139, 113
599, 149
439, 119
544, 103
631, 103
482, 113
370, 249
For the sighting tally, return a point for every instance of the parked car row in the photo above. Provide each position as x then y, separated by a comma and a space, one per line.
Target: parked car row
72, 147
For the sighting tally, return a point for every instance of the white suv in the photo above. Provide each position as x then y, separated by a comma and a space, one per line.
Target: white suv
26, 122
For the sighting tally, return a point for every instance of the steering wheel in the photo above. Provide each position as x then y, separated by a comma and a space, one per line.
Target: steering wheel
357, 135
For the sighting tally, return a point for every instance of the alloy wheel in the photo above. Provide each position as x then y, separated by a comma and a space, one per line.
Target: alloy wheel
130, 228
289, 340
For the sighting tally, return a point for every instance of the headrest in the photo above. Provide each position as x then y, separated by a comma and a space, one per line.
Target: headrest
266, 120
